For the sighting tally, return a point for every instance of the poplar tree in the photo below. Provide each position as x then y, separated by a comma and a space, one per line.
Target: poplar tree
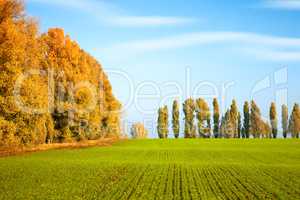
273, 120
203, 116
239, 125
163, 122
284, 120
139, 131
175, 119
229, 128
166, 121
246, 124
266, 129
294, 125
243, 132
222, 127
255, 120
234, 118
216, 116
160, 122
194, 131
189, 110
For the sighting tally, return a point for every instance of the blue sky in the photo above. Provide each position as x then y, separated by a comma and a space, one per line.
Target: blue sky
155, 51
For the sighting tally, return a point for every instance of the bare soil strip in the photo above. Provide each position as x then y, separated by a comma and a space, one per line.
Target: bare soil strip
4, 152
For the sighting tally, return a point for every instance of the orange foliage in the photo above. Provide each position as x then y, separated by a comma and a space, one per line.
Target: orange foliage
83, 106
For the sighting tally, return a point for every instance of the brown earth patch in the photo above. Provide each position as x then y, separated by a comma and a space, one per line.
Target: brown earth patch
44, 147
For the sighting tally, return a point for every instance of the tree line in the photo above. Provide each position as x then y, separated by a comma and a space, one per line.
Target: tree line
68, 81
233, 124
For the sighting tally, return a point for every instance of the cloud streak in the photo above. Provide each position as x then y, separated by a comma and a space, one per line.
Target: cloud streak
275, 55
282, 4
261, 46
193, 39
110, 14
151, 20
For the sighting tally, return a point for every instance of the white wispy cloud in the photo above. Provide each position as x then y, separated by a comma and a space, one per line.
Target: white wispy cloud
78, 4
282, 4
193, 39
151, 20
274, 55
259, 45
111, 14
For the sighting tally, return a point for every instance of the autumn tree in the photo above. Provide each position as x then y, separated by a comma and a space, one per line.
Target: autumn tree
258, 126
83, 100
138, 131
23, 88
8, 131
284, 120
203, 116
160, 123
230, 122
50, 89
166, 115
273, 119
189, 110
11, 10
175, 119
266, 129
255, 120
163, 123
246, 124
294, 124
216, 117
228, 128
234, 118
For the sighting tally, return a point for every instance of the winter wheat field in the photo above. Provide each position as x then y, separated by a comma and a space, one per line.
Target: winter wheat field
158, 169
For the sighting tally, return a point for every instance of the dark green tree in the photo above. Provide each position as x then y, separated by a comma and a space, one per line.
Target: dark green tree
246, 124
284, 120
175, 119
243, 133
222, 127
216, 118
239, 125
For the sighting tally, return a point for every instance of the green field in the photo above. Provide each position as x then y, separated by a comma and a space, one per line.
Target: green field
158, 169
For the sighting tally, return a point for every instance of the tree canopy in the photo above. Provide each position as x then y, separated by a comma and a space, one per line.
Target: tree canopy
50, 89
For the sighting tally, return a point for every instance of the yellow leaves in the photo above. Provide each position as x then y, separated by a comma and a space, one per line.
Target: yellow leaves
138, 131
10, 9
294, 126
7, 133
75, 85
202, 109
8, 108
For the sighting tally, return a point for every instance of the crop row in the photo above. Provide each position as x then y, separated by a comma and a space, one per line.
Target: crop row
175, 181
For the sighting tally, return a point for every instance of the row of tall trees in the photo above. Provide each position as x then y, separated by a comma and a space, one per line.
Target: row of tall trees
233, 124
52, 74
